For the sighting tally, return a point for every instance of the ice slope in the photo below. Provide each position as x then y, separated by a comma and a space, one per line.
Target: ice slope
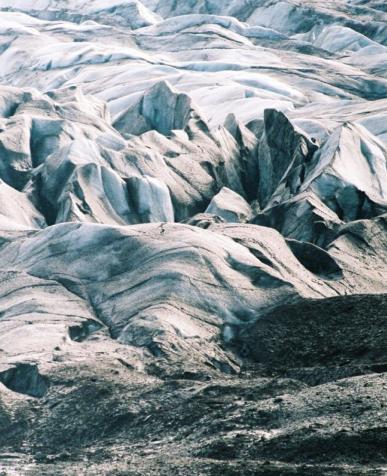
173, 171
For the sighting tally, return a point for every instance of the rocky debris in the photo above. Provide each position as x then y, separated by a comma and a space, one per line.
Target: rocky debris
329, 333
317, 432
258, 421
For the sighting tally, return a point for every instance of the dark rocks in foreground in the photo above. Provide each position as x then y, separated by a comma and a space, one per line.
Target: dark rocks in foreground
310, 399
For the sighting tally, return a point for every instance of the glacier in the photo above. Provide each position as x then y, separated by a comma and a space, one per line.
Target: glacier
193, 246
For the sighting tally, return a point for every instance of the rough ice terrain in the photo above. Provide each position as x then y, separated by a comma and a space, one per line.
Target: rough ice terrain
193, 246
